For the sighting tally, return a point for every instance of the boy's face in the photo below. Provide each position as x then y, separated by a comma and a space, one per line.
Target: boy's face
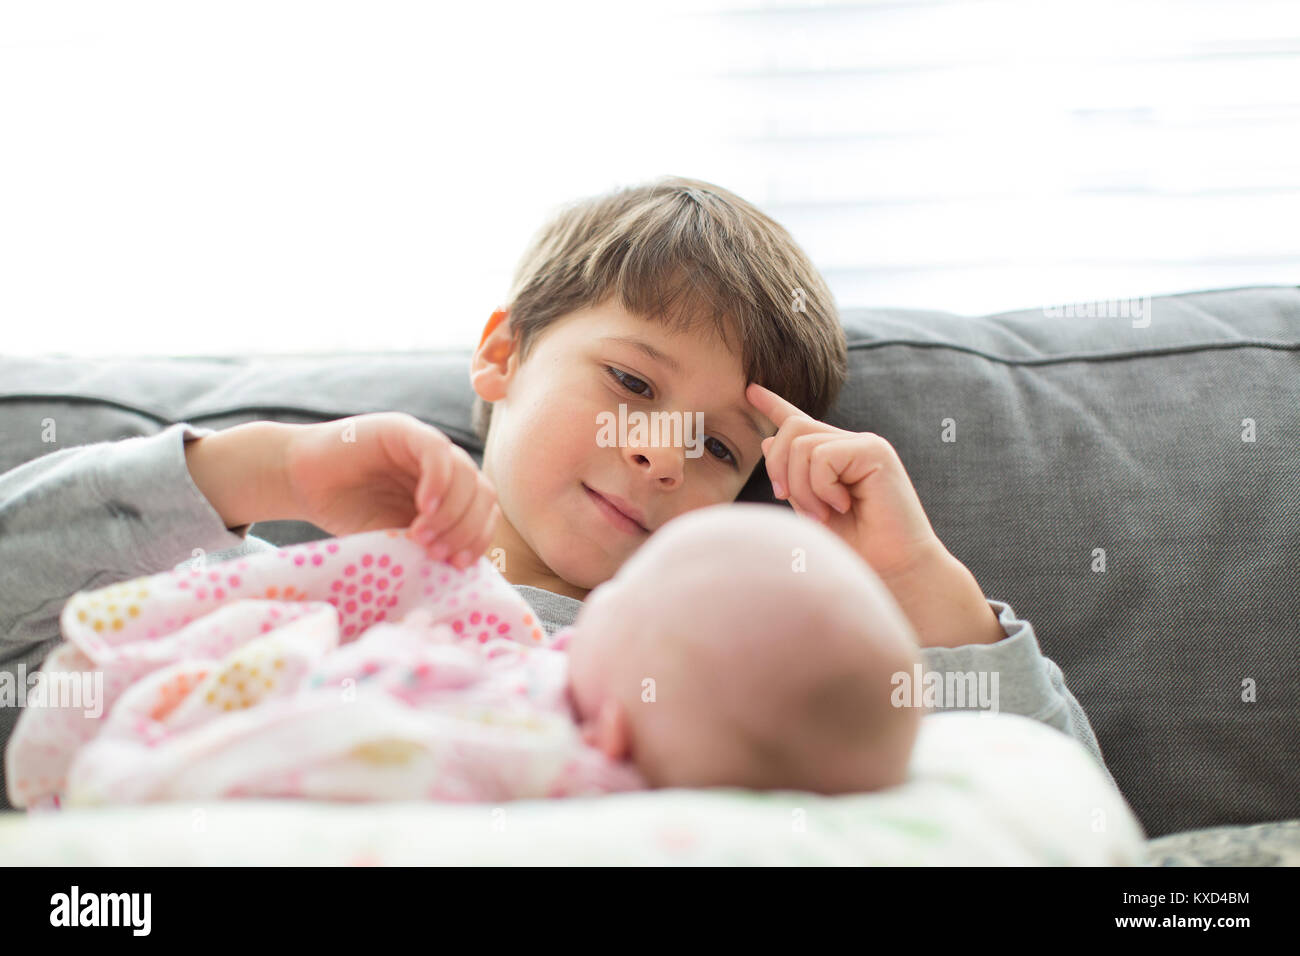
550, 470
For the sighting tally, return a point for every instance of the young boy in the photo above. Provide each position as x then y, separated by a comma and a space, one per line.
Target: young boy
676, 296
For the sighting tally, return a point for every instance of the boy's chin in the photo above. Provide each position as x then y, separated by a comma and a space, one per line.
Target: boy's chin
587, 570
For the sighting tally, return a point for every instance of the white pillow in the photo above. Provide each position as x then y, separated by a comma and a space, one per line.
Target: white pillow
983, 790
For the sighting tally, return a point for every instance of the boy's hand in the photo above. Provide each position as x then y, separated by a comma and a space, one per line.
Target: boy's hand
852, 482
391, 470
855, 484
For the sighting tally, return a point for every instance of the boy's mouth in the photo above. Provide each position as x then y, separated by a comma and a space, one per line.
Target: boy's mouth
628, 520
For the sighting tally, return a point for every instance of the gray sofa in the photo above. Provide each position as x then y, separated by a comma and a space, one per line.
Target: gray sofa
1128, 483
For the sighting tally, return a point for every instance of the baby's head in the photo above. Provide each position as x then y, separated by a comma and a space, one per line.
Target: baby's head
746, 646
669, 297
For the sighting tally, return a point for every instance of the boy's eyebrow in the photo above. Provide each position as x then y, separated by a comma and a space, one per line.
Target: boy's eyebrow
647, 348
655, 354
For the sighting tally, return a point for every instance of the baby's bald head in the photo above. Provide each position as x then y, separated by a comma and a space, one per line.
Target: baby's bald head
770, 645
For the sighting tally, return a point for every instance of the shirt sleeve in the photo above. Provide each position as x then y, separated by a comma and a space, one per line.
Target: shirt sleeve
1028, 683
86, 517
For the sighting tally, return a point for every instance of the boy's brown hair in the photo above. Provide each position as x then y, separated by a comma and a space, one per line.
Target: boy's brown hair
682, 251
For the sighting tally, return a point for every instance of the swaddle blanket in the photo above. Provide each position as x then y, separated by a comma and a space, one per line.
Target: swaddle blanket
352, 669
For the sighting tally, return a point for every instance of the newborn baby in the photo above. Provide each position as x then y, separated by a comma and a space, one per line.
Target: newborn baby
741, 646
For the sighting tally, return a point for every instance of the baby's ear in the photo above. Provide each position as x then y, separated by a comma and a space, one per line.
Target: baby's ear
608, 733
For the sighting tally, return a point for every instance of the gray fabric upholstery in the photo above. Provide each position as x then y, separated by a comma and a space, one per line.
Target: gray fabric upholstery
1071, 434
1087, 433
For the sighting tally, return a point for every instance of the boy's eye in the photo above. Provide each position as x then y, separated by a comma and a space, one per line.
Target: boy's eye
623, 379
724, 448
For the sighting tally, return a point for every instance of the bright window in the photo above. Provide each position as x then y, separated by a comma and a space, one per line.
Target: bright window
268, 176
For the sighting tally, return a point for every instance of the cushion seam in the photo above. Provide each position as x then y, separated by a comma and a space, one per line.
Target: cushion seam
1079, 356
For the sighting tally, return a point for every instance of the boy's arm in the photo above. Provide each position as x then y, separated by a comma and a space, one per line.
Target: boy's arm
239, 472
854, 484
1028, 683
960, 630
93, 515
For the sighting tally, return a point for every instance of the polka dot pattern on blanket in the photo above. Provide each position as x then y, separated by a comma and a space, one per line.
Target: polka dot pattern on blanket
206, 614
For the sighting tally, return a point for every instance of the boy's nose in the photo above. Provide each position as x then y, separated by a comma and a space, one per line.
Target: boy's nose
663, 462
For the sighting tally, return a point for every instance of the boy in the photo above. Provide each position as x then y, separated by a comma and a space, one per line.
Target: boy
673, 296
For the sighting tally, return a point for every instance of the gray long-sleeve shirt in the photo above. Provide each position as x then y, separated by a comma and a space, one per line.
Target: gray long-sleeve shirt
86, 517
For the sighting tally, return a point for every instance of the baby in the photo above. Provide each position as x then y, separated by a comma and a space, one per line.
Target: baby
745, 646
741, 646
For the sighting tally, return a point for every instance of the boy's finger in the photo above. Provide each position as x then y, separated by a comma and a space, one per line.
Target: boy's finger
456, 499
777, 454
427, 448
799, 471
435, 475
829, 465
770, 405
462, 537
800, 511
461, 533
810, 515
434, 516
484, 540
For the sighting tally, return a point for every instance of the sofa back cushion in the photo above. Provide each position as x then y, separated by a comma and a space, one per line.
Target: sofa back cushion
1129, 484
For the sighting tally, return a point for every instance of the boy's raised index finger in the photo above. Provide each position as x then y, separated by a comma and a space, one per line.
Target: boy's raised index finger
771, 405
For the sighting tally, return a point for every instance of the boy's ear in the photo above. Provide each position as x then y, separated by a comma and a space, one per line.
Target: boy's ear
494, 320
489, 368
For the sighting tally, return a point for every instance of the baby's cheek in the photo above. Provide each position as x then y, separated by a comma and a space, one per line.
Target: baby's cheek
663, 758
